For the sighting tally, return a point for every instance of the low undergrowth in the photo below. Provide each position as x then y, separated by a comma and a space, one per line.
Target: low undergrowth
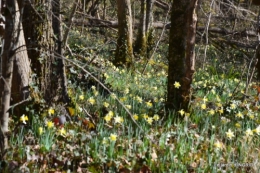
126, 129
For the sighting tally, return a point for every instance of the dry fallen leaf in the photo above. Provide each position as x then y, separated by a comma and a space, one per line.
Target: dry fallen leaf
145, 169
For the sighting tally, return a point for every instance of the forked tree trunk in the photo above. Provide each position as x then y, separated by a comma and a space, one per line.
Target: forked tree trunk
124, 50
181, 53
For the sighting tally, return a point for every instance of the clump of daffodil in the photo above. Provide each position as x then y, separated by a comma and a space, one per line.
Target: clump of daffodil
105, 104
203, 106
219, 104
50, 124
113, 137
40, 130
51, 111
104, 141
239, 115
238, 125
106, 75
122, 99
113, 95
211, 112
95, 92
218, 145
230, 134
156, 117
149, 120
119, 119
24, 118
251, 115
145, 116
135, 116
81, 97
126, 91
205, 99
221, 110
177, 84
62, 131
182, 112
139, 99
149, 104
91, 100
109, 116
257, 130
128, 106
249, 132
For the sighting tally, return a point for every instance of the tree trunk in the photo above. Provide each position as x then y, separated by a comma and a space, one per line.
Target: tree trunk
7, 66
141, 40
59, 48
124, 51
144, 39
181, 53
22, 69
40, 39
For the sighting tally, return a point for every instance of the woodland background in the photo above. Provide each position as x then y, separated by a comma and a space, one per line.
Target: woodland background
129, 86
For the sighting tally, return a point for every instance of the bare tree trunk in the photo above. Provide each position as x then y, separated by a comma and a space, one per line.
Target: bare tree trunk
7, 68
140, 43
190, 52
59, 48
22, 70
144, 39
149, 28
124, 51
39, 38
181, 53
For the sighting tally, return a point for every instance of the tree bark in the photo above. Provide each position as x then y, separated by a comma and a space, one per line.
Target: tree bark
7, 66
40, 39
22, 69
145, 32
181, 53
124, 51
59, 48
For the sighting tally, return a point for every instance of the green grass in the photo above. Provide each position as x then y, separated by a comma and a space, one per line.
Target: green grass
100, 135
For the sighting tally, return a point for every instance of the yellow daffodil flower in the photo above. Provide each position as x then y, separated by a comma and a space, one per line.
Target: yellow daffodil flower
203, 106
51, 111
62, 131
81, 97
156, 117
177, 85
135, 116
249, 132
181, 112
50, 124
230, 134
91, 100
40, 130
24, 118
113, 137
118, 119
